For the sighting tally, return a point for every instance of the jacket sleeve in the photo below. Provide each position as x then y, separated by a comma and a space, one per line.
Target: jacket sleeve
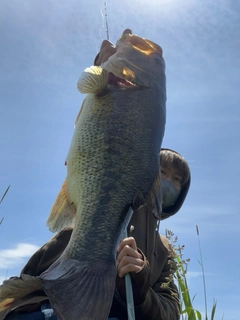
158, 302
38, 263
47, 254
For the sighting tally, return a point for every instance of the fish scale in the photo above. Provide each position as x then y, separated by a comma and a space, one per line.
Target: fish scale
109, 174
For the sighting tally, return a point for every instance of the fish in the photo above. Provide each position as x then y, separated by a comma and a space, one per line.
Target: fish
112, 167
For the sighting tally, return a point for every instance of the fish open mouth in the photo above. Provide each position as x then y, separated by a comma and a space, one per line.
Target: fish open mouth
118, 82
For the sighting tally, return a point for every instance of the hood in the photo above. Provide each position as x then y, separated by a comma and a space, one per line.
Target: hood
170, 211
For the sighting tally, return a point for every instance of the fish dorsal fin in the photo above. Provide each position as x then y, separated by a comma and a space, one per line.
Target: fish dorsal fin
92, 80
63, 212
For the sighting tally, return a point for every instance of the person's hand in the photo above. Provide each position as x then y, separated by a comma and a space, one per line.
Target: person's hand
129, 259
107, 50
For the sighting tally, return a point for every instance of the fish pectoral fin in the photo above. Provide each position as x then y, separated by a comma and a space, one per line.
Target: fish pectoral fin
63, 212
88, 286
93, 80
17, 288
154, 198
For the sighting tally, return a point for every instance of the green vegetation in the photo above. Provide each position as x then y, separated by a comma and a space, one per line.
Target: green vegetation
188, 312
2, 200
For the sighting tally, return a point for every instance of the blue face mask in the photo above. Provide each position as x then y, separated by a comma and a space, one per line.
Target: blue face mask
170, 193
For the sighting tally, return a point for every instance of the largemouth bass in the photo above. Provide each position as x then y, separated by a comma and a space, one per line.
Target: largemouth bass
113, 160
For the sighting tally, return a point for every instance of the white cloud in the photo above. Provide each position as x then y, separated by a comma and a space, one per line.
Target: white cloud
193, 274
15, 257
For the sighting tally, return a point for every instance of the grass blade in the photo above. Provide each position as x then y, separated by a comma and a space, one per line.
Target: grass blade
4, 194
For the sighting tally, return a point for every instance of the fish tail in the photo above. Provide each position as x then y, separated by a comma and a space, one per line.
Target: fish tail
15, 289
80, 290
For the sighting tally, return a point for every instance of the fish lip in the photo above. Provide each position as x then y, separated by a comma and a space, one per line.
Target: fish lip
115, 81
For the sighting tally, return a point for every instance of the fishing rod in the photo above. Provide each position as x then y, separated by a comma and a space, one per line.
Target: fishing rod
129, 291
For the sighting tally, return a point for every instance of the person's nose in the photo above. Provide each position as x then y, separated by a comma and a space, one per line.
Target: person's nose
168, 177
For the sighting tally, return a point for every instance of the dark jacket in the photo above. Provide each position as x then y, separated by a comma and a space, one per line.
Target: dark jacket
154, 297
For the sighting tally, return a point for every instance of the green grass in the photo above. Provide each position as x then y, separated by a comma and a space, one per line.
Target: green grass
188, 311
2, 200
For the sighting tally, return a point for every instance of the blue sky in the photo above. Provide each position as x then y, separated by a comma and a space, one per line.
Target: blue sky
45, 45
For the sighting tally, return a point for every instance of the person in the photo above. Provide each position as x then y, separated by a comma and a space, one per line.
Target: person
144, 253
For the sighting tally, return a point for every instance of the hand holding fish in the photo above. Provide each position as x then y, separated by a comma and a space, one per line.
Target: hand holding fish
129, 259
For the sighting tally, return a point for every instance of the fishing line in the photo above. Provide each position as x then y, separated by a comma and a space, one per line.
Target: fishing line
103, 12
106, 19
100, 30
